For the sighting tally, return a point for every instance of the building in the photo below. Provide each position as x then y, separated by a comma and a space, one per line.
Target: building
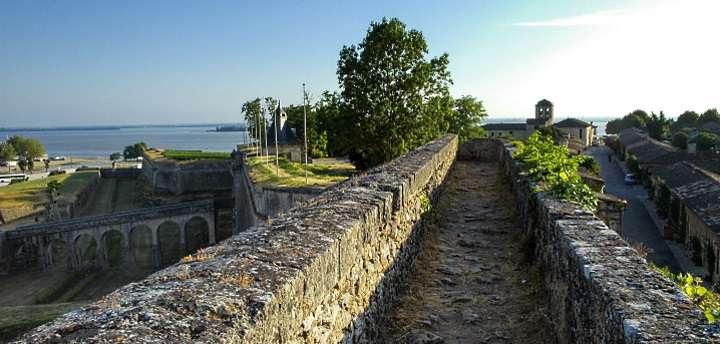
578, 133
689, 197
285, 134
577, 130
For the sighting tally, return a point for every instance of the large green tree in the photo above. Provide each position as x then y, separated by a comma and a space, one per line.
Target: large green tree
28, 149
7, 151
636, 119
467, 117
252, 111
710, 115
331, 124
395, 98
134, 151
687, 119
658, 126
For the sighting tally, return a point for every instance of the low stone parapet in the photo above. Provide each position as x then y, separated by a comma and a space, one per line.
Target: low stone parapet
320, 273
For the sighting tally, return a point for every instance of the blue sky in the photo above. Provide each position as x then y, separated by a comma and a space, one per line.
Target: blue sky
128, 62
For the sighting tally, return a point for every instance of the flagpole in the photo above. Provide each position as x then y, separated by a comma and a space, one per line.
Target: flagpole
305, 131
275, 124
267, 151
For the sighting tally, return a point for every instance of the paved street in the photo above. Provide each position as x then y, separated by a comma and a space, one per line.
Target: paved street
638, 226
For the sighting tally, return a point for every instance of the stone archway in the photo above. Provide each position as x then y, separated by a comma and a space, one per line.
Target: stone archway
197, 234
141, 246
57, 254
113, 243
169, 244
26, 256
86, 251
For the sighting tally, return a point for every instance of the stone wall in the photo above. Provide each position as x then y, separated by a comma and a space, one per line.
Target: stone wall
328, 271
600, 289
180, 177
320, 273
256, 202
611, 209
121, 173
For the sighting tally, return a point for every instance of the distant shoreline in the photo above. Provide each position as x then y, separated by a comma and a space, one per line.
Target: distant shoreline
116, 127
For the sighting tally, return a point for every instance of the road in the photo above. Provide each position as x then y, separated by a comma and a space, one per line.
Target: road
638, 226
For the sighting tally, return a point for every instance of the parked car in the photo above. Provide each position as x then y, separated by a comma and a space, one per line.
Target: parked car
56, 172
630, 179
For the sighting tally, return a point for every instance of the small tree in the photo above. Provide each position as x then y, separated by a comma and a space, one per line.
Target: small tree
7, 153
134, 151
22, 163
47, 164
467, 117
680, 140
115, 156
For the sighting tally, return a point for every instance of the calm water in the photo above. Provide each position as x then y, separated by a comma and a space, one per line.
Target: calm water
102, 142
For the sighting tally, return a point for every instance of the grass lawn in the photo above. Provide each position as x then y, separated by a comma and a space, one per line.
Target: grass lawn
194, 155
322, 172
15, 320
32, 192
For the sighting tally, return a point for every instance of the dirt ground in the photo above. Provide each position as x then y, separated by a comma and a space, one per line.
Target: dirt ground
471, 282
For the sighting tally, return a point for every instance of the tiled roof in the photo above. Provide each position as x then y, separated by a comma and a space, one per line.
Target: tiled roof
505, 126
629, 136
698, 189
572, 123
648, 151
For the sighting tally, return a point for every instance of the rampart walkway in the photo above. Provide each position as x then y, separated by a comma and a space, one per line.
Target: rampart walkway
471, 282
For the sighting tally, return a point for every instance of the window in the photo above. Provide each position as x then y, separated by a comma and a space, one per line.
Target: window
510, 132
580, 132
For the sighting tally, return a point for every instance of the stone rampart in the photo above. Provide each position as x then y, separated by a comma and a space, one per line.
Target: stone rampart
600, 289
180, 177
327, 271
316, 274
120, 173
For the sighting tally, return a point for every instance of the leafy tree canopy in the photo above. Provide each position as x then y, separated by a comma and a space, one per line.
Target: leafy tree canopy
707, 141
252, 112
26, 147
115, 156
7, 151
679, 140
466, 121
658, 126
710, 115
134, 151
394, 97
687, 119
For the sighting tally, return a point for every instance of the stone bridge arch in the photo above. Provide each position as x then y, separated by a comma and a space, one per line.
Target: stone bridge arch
170, 239
113, 246
197, 234
85, 248
148, 238
141, 246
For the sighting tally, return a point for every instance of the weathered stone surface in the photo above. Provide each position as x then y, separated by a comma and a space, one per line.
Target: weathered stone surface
327, 271
601, 290
319, 273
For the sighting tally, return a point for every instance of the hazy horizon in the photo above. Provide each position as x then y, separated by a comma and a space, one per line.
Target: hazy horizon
89, 63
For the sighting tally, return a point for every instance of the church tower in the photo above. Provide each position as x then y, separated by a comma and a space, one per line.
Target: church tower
544, 113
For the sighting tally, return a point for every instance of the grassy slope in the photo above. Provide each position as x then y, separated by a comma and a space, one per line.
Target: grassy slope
194, 155
27, 194
15, 320
321, 172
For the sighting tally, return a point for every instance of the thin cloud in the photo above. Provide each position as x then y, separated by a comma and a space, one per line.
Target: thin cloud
593, 19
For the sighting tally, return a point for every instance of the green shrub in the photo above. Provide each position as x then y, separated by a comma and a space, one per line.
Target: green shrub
554, 169
691, 286
194, 155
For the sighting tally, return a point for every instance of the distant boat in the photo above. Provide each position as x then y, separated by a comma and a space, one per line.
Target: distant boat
229, 128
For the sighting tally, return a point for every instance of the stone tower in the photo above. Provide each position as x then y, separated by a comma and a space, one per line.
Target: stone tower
544, 113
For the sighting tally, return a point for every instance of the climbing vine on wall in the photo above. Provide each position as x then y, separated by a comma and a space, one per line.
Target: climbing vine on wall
554, 169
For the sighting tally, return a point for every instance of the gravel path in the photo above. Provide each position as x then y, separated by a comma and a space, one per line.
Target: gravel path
471, 282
